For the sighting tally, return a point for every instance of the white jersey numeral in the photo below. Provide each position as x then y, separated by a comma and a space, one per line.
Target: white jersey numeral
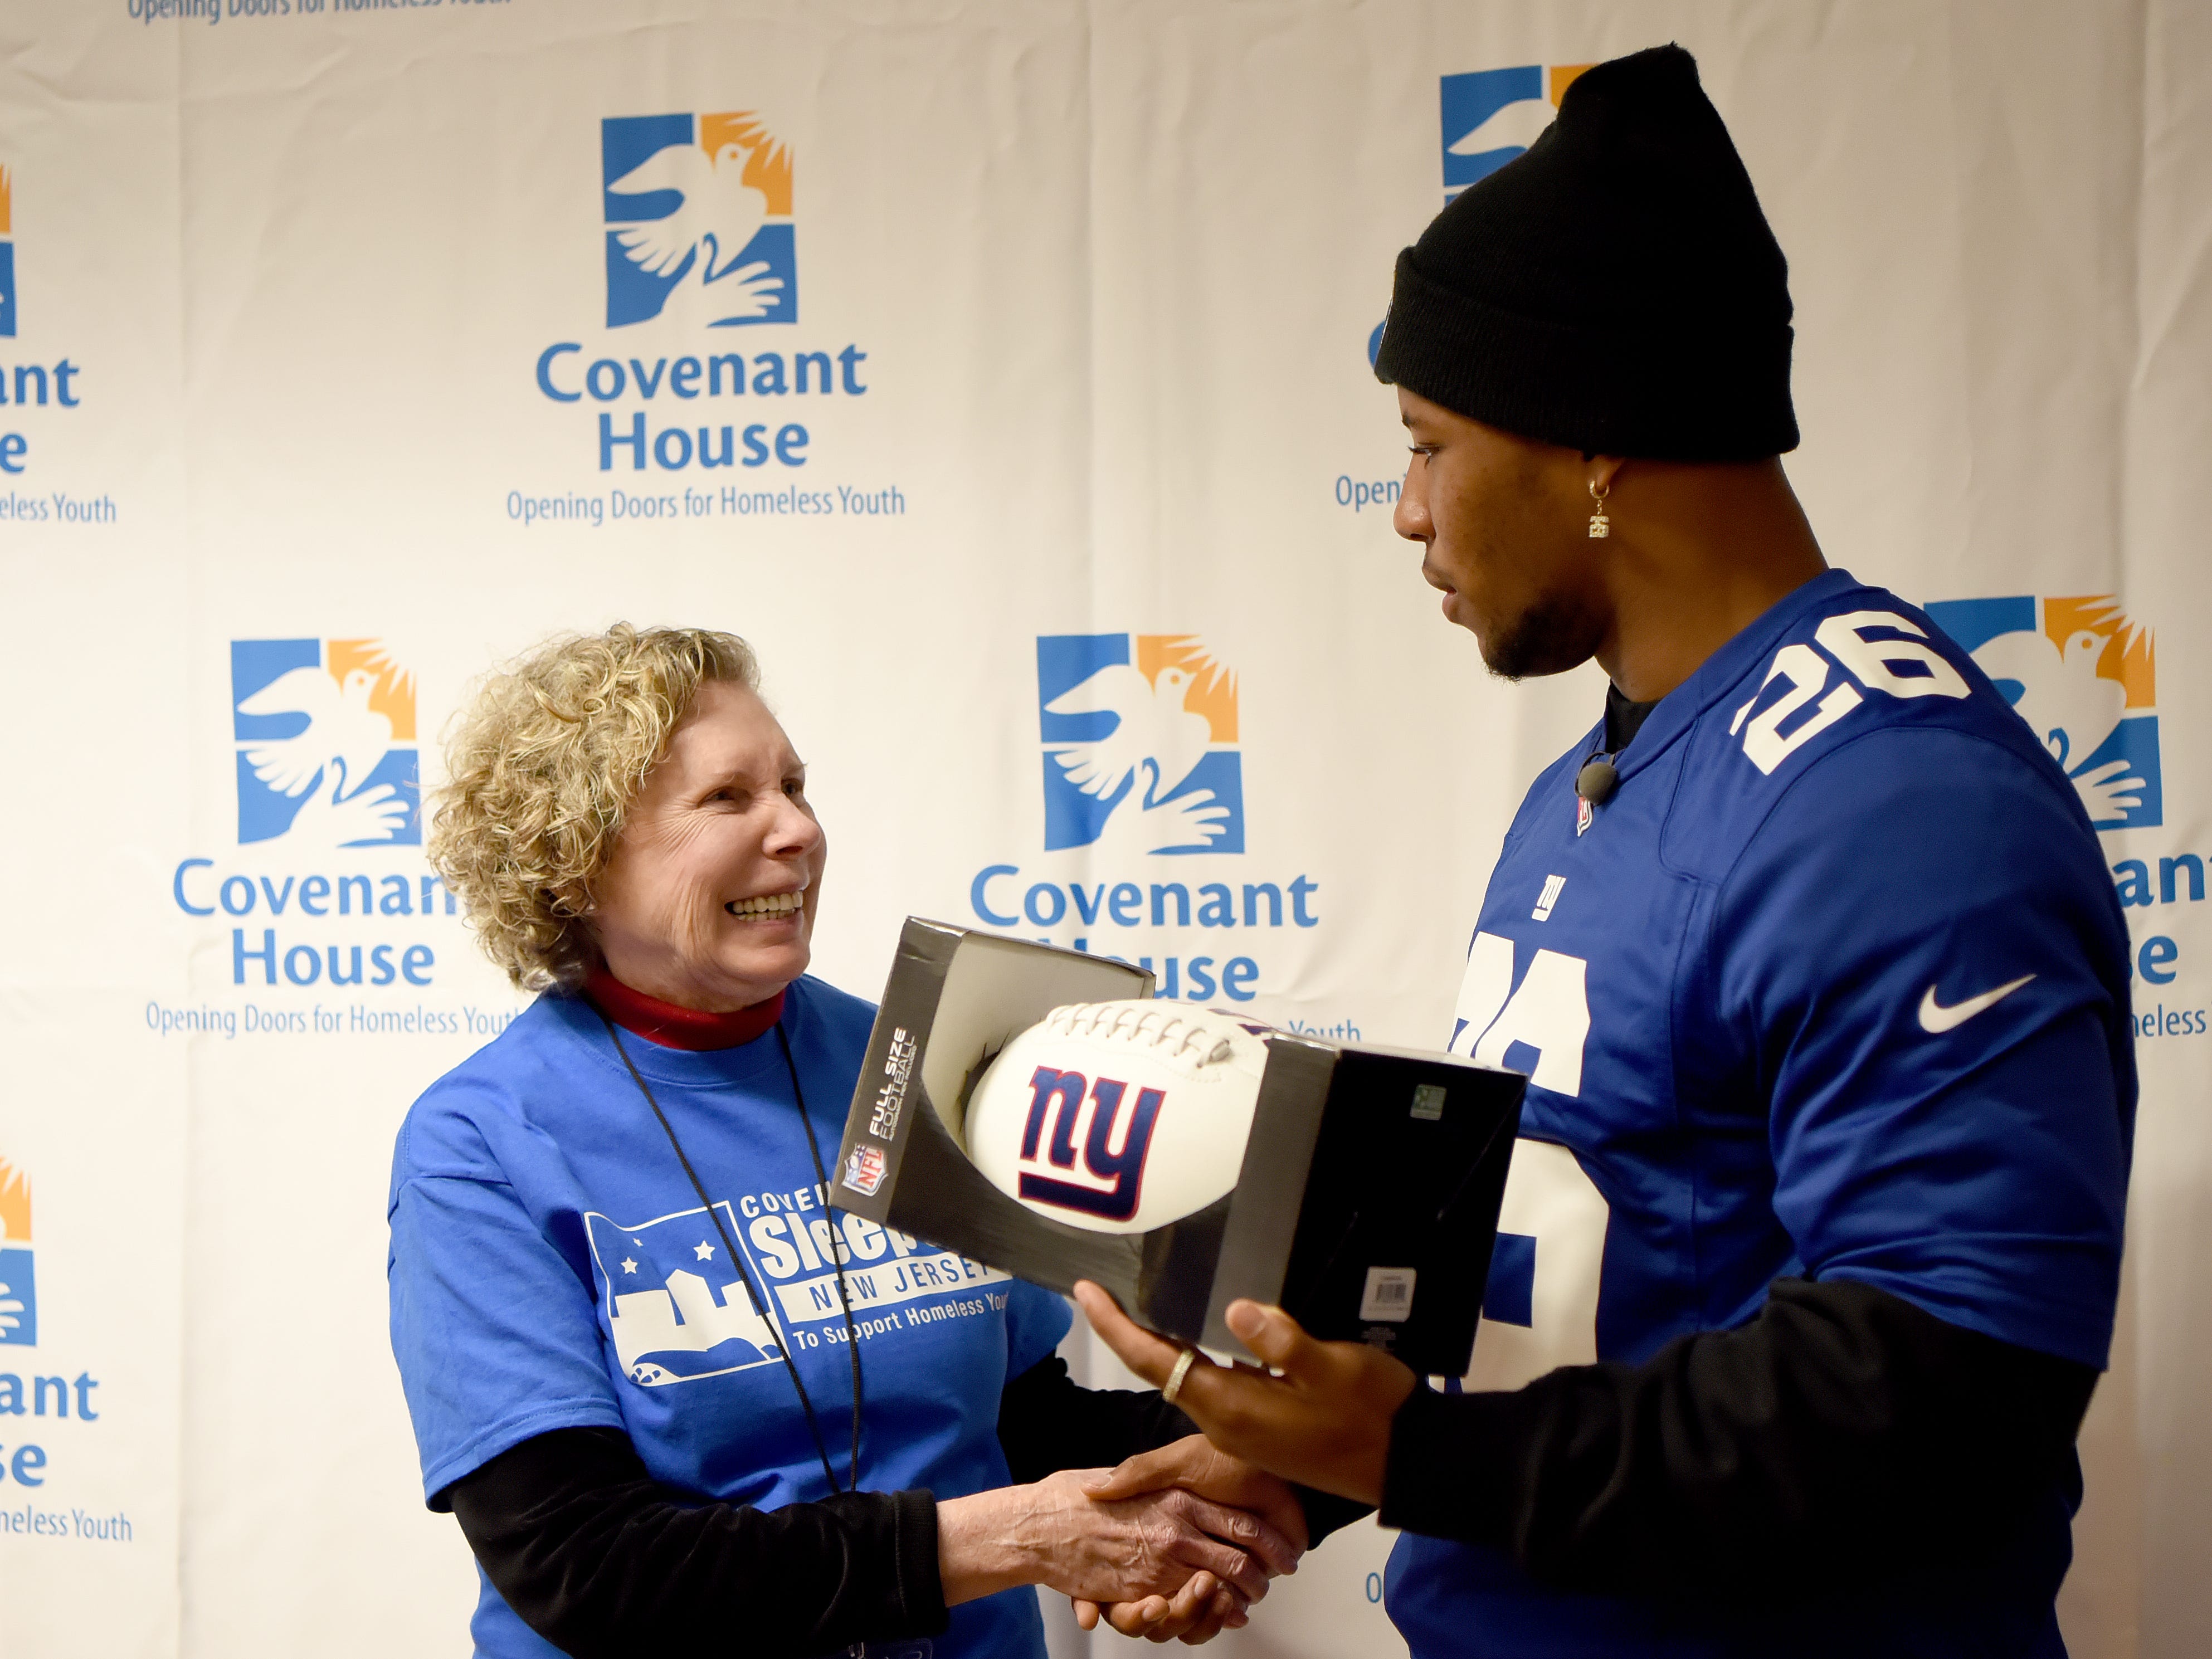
1845, 639
1807, 671
1482, 992
1549, 1199
1873, 662
1549, 1011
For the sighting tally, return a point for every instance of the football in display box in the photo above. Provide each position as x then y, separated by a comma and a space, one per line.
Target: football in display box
1037, 1110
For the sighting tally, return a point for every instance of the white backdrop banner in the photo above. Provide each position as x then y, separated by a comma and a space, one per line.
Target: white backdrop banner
956, 353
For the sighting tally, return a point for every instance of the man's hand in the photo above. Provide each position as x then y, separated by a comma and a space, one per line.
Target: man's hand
1324, 1420
1193, 1464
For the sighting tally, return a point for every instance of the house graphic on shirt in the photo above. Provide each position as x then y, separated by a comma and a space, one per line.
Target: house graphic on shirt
676, 1326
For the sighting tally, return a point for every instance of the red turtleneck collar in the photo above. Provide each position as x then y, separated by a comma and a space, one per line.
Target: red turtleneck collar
672, 1027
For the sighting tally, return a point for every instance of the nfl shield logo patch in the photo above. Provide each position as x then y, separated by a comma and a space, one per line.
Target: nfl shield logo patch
865, 1170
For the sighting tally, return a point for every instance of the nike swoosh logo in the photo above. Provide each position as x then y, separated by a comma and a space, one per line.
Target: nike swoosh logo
1936, 1019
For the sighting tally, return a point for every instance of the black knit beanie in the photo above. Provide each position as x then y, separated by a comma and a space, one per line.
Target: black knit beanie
1615, 289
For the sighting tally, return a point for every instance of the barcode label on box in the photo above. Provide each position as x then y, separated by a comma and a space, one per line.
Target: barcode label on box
1429, 1102
1389, 1297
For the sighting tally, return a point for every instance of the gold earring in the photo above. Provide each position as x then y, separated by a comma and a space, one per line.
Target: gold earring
1600, 526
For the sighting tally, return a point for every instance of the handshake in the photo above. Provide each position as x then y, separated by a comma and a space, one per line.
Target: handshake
1176, 1542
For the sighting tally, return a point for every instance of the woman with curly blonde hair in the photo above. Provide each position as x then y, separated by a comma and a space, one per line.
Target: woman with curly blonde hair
629, 1324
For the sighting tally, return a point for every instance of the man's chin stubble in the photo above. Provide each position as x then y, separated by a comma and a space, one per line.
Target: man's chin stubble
1550, 637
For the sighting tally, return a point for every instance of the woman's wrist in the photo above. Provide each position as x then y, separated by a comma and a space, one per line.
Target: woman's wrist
987, 1542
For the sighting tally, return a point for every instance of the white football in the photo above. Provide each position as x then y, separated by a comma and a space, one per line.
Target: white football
1118, 1116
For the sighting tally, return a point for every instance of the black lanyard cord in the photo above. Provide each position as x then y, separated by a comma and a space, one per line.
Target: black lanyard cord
738, 1261
836, 1251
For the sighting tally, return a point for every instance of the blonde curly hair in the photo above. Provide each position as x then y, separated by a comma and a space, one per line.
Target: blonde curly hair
541, 768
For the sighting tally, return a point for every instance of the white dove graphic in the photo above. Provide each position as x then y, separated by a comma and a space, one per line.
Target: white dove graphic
342, 730
362, 819
719, 215
1518, 124
2069, 708
1152, 726
1141, 824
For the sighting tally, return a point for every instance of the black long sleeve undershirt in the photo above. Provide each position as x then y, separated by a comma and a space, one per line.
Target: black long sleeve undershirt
600, 1560
1843, 1438
604, 1563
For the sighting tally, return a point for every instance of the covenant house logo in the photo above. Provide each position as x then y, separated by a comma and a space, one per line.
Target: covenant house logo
327, 770
33, 386
699, 240
1142, 762
41, 1388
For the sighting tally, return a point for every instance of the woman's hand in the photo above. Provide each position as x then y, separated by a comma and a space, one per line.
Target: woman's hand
1102, 1551
1195, 1465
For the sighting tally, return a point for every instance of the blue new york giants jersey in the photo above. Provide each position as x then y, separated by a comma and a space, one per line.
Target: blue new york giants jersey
1834, 986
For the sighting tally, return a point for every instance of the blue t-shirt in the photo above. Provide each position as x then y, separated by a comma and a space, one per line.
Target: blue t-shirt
551, 1267
1834, 986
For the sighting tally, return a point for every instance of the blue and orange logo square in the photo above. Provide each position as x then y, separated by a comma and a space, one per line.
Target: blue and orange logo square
327, 749
6, 254
2084, 675
1140, 737
1490, 116
699, 221
19, 1286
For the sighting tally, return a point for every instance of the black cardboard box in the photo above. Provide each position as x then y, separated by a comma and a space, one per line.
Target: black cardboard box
1366, 1205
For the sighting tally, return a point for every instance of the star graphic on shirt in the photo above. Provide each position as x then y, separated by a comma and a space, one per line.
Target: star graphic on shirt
704, 1252
629, 1267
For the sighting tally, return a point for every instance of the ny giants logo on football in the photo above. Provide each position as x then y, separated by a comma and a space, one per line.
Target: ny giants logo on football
1121, 1169
1118, 1116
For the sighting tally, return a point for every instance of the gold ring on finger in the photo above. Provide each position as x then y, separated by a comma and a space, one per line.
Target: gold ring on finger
1184, 1363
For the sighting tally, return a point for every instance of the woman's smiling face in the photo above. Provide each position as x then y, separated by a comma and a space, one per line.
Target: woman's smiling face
708, 901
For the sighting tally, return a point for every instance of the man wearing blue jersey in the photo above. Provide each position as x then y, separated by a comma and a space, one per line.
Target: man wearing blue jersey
1811, 1244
